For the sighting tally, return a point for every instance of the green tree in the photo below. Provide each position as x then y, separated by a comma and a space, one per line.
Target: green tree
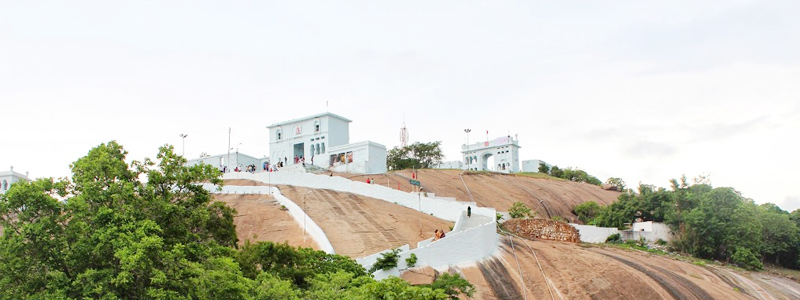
107, 234
453, 285
587, 211
417, 155
780, 235
543, 168
617, 183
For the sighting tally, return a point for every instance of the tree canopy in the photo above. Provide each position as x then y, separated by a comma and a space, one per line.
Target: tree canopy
417, 155
714, 223
149, 230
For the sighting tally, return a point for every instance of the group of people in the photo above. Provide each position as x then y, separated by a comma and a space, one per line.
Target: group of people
438, 234
248, 168
370, 180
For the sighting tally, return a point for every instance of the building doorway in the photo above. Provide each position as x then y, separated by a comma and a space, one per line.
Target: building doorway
299, 150
487, 162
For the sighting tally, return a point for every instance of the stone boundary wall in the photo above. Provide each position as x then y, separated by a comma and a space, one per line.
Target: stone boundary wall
543, 229
297, 213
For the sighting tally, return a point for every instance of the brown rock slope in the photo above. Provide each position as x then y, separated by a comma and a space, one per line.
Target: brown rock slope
358, 226
545, 195
259, 218
559, 270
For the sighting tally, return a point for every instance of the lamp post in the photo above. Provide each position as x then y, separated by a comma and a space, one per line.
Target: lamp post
419, 208
237, 154
228, 161
183, 148
468, 157
305, 216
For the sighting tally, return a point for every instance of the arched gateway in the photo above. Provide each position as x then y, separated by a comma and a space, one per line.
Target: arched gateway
499, 155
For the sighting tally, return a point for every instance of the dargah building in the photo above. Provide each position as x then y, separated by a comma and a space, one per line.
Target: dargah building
325, 137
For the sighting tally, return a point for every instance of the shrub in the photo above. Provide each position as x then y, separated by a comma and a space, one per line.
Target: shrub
614, 238
499, 217
411, 260
387, 261
745, 259
519, 210
453, 285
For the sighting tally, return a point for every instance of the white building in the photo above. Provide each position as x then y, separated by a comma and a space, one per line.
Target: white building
237, 159
7, 178
452, 164
324, 140
504, 152
532, 166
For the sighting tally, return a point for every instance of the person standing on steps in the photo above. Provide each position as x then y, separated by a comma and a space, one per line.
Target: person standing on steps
469, 211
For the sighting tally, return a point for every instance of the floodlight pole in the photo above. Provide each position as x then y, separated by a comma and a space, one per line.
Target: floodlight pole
305, 216
183, 148
468, 155
419, 207
228, 161
237, 155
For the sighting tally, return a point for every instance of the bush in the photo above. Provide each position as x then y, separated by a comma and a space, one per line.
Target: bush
411, 260
519, 210
453, 285
614, 238
499, 217
387, 261
745, 259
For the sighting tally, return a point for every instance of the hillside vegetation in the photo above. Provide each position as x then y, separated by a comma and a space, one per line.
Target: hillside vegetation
107, 234
714, 223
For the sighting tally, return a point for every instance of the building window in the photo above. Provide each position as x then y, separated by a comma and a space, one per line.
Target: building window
278, 134
323, 148
5, 185
316, 125
317, 148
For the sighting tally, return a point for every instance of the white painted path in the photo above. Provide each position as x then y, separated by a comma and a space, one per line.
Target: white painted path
471, 240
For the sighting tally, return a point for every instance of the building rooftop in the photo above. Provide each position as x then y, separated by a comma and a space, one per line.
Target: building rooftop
310, 117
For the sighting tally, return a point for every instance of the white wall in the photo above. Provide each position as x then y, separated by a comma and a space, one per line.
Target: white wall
312, 229
453, 164
240, 160
441, 209
467, 246
342, 130
475, 242
650, 231
8, 178
594, 234
368, 158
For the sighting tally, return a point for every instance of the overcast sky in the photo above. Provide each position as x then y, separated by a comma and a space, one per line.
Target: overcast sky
642, 90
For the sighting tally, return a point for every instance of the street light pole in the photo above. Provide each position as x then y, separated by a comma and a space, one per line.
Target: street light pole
183, 148
237, 154
305, 215
468, 157
228, 161
419, 208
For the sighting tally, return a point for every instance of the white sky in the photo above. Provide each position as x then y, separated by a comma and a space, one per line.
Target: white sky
643, 90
